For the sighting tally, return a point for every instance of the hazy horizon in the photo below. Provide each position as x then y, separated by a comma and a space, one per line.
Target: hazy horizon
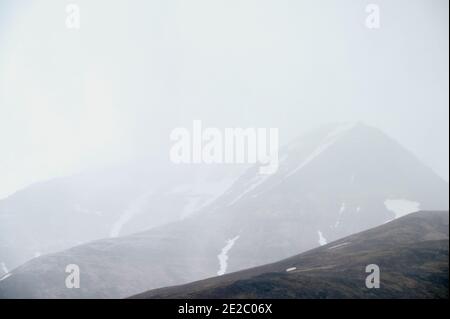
111, 91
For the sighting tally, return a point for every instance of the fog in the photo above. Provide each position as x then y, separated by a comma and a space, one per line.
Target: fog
112, 91
324, 125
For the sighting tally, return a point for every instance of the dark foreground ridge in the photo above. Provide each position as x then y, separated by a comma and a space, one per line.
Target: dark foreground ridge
411, 252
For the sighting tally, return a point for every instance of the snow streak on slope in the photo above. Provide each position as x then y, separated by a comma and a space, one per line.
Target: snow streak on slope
203, 193
5, 271
3, 267
326, 143
341, 211
338, 245
223, 256
322, 240
5, 276
401, 207
329, 140
133, 209
256, 181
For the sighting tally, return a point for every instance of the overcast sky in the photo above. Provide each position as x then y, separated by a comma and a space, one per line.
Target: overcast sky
112, 90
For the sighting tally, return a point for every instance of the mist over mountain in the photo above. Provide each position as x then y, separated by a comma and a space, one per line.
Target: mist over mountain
335, 181
61, 213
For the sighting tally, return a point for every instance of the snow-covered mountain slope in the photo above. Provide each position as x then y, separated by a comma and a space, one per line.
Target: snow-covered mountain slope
331, 183
65, 212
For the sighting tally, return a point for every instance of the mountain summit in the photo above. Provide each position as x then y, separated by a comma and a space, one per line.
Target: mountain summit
332, 182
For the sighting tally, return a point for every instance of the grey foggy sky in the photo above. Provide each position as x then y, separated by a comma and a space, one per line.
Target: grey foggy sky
113, 90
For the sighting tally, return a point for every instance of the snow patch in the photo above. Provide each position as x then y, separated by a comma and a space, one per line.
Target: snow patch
291, 269
3, 267
133, 209
223, 256
341, 211
5, 276
401, 207
5, 271
322, 240
339, 245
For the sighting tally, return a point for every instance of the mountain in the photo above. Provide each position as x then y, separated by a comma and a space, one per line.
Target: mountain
64, 212
411, 253
332, 182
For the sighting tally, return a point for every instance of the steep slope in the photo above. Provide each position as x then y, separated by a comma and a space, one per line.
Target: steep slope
65, 212
331, 183
411, 252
